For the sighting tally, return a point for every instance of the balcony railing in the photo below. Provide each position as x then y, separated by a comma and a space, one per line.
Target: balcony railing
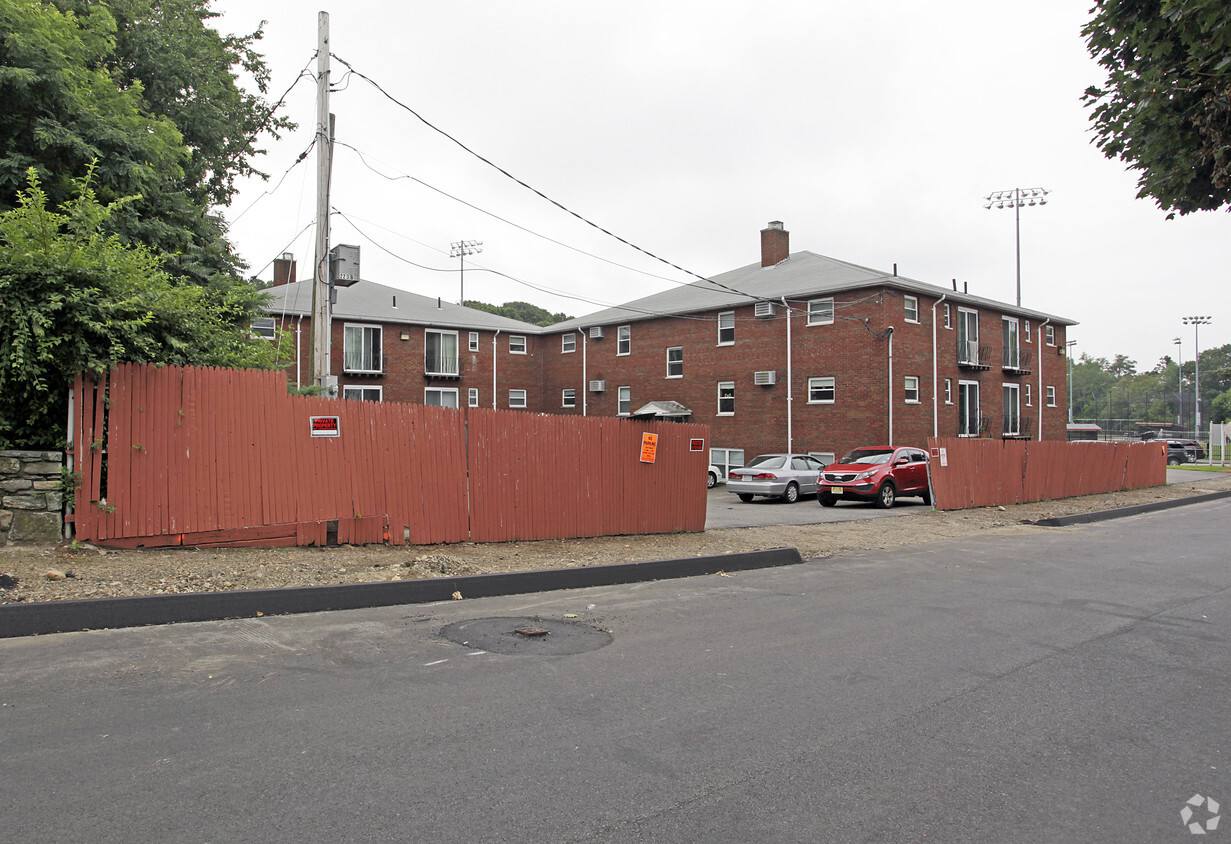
974, 355
1017, 360
1022, 430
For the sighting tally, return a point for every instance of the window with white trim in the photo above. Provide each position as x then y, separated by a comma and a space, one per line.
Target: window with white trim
820, 312
359, 393
726, 398
910, 387
440, 353
948, 317
1012, 425
361, 346
821, 390
474, 341
440, 396
1009, 337
1026, 329
473, 396
910, 308
1028, 398
517, 344
568, 343
675, 361
726, 328
1051, 334
948, 391
624, 340
263, 327
517, 398
624, 401
568, 397
968, 336
968, 423
1051, 396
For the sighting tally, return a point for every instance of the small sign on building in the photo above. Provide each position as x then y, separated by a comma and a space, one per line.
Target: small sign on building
696, 444
649, 447
326, 426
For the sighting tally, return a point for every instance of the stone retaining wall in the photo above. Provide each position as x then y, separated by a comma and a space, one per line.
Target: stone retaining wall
31, 498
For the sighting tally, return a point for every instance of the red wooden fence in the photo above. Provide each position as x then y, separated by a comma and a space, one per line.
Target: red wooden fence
200, 457
988, 472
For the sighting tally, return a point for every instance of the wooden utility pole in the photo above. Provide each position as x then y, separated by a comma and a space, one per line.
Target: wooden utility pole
321, 306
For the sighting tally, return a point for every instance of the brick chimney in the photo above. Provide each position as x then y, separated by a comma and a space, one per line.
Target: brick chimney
284, 269
775, 244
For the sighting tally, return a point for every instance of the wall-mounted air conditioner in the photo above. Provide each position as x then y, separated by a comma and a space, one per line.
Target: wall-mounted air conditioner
596, 332
598, 386
763, 310
765, 377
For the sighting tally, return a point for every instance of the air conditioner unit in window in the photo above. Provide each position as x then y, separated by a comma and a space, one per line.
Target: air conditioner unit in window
765, 377
763, 310
596, 332
598, 386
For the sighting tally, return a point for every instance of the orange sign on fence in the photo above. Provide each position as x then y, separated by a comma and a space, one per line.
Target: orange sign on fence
649, 447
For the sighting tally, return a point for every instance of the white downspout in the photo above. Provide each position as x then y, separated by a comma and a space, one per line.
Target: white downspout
790, 447
935, 377
585, 385
1042, 397
890, 332
298, 329
494, 336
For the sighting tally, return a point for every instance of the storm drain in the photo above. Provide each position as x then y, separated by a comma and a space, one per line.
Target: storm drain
521, 635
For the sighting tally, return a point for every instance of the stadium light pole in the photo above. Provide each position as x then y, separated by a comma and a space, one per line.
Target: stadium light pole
1196, 322
1015, 199
1179, 383
460, 249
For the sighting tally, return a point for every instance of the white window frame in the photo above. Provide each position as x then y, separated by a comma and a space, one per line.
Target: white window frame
1026, 329
948, 391
624, 401
1051, 334
729, 318
442, 370
363, 329
264, 327
441, 391
1028, 396
1051, 396
679, 362
948, 317
964, 320
517, 399
728, 386
358, 392
910, 304
1014, 409
568, 343
517, 344
966, 387
474, 341
568, 397
472, 396
821, 311
907, 389
624, 340
1010, 332
817, 385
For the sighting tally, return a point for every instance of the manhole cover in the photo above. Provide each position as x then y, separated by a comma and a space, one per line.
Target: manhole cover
521, 635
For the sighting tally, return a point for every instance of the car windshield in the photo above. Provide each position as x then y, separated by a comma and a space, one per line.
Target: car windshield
766, 461
868, 455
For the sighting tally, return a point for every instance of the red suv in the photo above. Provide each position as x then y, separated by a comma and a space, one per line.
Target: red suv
876, 473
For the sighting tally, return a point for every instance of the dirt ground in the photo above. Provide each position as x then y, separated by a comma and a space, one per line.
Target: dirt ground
50, 573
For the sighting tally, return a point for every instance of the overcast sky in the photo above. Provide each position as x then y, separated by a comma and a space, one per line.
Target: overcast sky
872, 130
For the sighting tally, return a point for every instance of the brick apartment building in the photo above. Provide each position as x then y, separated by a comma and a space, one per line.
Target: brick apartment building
798, 351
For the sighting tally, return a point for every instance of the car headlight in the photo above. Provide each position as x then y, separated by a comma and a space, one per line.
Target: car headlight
863, 476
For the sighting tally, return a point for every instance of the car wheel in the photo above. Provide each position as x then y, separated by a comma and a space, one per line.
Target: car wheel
712, 482
827, 500
1173, 461
792, 493
745, 497
886, 495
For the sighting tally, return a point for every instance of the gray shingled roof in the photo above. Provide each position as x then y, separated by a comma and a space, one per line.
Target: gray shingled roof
372, 302
802, 275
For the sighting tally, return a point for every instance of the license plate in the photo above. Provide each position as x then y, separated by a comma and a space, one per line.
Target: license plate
836, 490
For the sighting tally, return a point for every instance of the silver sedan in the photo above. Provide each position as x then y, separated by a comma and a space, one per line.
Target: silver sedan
785, 476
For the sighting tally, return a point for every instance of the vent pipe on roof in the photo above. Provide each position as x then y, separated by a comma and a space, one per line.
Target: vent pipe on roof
965, 287
775, 244
438, 303
955, 285
895, 270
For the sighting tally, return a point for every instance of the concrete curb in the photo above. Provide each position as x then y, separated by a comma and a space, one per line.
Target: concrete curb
1121, 512
31, 619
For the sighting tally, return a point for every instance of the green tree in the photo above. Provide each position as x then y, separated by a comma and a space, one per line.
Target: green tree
523, 311
76, 299
1165, 108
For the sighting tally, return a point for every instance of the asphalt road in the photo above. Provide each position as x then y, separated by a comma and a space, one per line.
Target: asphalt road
1071, 686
